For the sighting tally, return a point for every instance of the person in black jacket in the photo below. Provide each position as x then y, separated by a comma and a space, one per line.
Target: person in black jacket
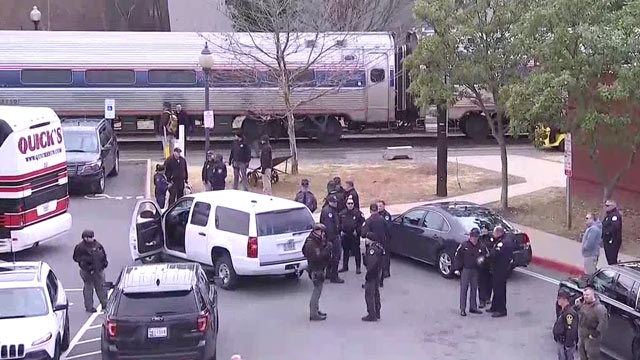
334, 187
612, 232
468, 258
306, 197
485, 277
183, 119
565, 329
208, 170
386, 271
373, 258
266, 164
92, 259
318, 253
501, 256
330, 219
177, 175
350, 192
351, 220
161, 185
379, 226
239, 159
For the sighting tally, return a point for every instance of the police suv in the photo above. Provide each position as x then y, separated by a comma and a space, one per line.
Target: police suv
34, 318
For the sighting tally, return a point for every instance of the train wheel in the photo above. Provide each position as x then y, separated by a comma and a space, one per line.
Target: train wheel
476, 127
331, 131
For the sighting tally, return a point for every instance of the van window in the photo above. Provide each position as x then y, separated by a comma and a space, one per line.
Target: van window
284, 222
233, 221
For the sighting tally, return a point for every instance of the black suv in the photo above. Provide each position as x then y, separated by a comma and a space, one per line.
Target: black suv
161, 311
617, 288
92, 152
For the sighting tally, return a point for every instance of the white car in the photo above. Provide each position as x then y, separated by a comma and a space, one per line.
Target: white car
34, 318
238, 233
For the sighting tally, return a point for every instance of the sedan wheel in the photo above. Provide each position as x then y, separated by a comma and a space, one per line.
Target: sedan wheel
445, 265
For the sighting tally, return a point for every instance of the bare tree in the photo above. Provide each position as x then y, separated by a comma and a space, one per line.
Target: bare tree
125, 15
361, 15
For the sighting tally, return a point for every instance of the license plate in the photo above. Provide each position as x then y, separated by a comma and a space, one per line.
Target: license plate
289, 246
46, 208
160, 332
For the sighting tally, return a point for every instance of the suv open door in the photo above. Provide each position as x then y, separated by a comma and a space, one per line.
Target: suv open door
146, 236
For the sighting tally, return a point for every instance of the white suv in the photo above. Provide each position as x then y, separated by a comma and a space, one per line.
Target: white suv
34, 318
235, 232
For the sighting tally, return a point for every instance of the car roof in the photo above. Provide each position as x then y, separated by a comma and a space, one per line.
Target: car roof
158, 277
246, 201
81, 123
22, 273
630, 268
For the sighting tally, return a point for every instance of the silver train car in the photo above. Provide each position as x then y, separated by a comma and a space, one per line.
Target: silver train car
352, 81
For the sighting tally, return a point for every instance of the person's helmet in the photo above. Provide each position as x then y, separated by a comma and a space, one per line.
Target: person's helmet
87, 234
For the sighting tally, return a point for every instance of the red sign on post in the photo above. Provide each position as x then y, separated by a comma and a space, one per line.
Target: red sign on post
568, 167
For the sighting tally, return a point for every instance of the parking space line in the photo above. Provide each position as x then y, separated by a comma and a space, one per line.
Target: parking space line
538, 276
147, 186
72, 290
88, 341
94, 326
83, 355
83, 330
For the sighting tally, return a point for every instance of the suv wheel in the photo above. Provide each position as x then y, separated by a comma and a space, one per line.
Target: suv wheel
445, 264
99, 186
116, 166
226, 273
66, 337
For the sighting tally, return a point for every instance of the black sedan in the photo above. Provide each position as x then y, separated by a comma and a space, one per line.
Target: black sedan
431, 233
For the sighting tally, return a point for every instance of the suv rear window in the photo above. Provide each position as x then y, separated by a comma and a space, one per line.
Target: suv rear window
233, 221
284, 222
157, 303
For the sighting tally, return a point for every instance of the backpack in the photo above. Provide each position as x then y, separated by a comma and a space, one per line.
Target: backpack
172, 125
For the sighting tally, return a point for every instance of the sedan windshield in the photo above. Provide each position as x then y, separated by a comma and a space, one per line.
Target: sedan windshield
480, 218
22, 302
80, 141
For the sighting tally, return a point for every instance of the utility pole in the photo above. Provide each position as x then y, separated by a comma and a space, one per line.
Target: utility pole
441, 168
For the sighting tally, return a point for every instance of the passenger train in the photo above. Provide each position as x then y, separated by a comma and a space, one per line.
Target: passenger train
356, 81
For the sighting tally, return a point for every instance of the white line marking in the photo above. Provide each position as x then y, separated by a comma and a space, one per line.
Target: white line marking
88, 341
72, 290
81, 332
538, 276
83, 355
147, 185
94, 326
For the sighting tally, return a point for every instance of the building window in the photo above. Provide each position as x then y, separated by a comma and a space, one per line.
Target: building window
172, 77
110, 77
29, 76
377, 75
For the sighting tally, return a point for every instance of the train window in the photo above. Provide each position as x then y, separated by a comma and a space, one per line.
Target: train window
306, 76
110, 77
353, 78
239, 77
377, 75
172, 77
32, 76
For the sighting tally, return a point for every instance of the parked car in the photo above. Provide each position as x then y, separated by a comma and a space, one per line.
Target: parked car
161, 311
431, 233
34, 315
92, 153
617, 288
237, 233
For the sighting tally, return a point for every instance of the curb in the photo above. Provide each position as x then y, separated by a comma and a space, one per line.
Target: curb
557, 265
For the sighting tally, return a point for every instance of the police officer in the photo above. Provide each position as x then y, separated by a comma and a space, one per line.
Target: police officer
468, 258
318, 253
92, 259
330, 219
501, 257
386, 271
334, 187
350, 192
612, 232
379, 226
373, 258
485, 278
351, 220
565, 330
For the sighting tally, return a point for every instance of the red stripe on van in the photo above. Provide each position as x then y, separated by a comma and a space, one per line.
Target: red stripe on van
33, 174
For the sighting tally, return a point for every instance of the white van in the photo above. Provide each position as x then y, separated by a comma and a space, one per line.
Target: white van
33, 178
238, 233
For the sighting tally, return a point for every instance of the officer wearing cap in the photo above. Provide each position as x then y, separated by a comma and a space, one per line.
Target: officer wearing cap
318, 253
208, 171
468, 258
177, 175
373, 260
565, 330
329, 217
501, 257
92, 259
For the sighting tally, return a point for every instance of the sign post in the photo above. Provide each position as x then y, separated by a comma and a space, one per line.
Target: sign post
109, 109
568, 172
208, 119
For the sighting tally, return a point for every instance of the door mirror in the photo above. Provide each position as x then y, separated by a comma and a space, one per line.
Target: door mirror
60, 307
108, 285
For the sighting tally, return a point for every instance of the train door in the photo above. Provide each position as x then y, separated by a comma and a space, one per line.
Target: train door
377, 87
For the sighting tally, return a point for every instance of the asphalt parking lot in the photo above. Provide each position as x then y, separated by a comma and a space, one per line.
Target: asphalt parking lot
267, 318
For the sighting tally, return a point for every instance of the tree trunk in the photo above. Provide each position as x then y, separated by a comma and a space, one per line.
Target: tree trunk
291, 131
608, 191
504, 194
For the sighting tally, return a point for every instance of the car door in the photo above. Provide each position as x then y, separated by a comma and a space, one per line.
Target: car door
197, 233
604, 282
146, 236
56, 296
407, 230
176, 225
621, 329
437, 228
105, 148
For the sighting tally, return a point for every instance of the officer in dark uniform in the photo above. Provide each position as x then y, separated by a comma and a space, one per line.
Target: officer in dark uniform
501, 257
469, 256
373, 258
329, 217
334, 187
612, 232
351, 220
350, 192
379, 226
318, 253
565, 330
386, 271
485, 278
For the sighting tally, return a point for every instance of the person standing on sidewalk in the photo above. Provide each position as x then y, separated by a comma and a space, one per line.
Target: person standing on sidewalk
317, 251
591, 240
161, 185
92, 259
594, 320
177, 174
373, 259
612, 231
467, 258
266, 164
330, 219
239, 159
306, 197
565, 329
